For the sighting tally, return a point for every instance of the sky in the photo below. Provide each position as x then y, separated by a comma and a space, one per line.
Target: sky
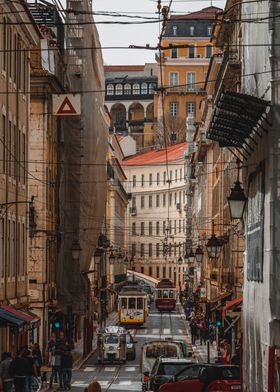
119, 35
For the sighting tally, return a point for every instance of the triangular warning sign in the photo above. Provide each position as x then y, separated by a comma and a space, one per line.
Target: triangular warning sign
66, 107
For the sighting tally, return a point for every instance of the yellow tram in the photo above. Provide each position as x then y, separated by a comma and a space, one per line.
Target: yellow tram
132, 306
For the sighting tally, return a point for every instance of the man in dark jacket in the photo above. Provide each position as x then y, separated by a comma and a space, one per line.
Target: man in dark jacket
19, 370
5, 376
67, 364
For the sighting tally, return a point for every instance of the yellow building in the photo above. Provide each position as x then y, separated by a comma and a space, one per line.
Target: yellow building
182, 70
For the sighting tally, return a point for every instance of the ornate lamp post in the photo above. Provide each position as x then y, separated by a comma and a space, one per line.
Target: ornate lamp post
213, 246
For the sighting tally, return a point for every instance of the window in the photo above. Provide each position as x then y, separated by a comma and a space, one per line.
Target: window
119, 89
10, 35
150, 201
133, 202
175, 230
176, 175
10, 148
209, 30
157, 272
8, 248
142, 180
170, 272
133, 249
3, 137
142, 270
150, 250
164, 272
150, 271
151, 88
23, 163
170, 175
142, 201
150, 179
191, 51
127, 89
13, 249
157, 201
150, 228
181, 172
157, 228
15, 59
173, 78
163, 200
174, 53
23, 259
142, 250
144, 88
133, 228
158, 178
140, 303
4, 44
163, 227
190, 81
173, 109
142, 228
174, 30
164, 177
175, 198
191, 30
208, 51
191, 108
134, 181
170, 199
179, 226
110, 89
180, 197
136, 88
157, 249
15, 156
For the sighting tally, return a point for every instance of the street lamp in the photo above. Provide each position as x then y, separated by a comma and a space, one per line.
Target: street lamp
237, 199
76, 250
213, 246
189, 256
112, 258
180, 260
120, 258
125, 261
199, 254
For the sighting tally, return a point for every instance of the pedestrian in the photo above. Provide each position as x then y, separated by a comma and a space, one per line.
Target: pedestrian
202, 331
7, 380
51, 347
38, 361
56, 368
193, 327
19, 370
94, 386
66, 365
212, 332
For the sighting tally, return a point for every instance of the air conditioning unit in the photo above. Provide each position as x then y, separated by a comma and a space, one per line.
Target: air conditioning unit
133, 211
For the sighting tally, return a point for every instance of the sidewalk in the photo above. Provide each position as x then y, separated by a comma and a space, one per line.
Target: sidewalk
199, 351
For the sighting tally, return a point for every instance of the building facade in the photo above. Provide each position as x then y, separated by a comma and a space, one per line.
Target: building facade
182, 70
47, 75
18, 34
130, 100
156, 218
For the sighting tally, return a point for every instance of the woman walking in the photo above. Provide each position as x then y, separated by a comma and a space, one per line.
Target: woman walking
94, 386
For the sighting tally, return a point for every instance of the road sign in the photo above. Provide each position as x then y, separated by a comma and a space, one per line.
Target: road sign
66, 104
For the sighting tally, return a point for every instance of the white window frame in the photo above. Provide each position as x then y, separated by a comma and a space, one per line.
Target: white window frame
127, 89
173, 109
194, 51
110, 89
191, 30
191, 108
144, 88
119, 89
173, 79
136, 89
206, 49
175, 51
190, 81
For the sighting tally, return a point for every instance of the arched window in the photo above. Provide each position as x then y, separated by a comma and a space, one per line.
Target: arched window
136, 88
127, 89
119, 89
144, 88
110, 89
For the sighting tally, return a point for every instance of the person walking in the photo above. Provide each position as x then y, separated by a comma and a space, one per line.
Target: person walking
94, 386
19, 369
38, 361
56, 367
202, 331
7, 380
31, 369
66, 365
193, 327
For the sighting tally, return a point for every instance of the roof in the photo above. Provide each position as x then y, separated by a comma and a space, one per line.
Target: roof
112, 68
206, 13
174, 153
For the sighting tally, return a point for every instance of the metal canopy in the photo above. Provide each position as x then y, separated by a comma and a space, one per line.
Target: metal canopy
237, 119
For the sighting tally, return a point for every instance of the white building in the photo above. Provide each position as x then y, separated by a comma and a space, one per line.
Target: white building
156, 217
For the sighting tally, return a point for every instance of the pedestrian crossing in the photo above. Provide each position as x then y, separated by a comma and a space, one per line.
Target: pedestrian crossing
109, 369
155, 331
120, 385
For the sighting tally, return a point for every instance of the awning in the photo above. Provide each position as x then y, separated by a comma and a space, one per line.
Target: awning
219, 300
11, 319
35, 322
231, 305
236, 120
22, 317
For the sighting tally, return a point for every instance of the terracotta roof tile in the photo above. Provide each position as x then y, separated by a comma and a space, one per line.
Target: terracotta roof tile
174, 153
205, 13
112, 68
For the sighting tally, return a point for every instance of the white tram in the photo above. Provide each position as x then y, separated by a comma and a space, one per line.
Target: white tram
132, 306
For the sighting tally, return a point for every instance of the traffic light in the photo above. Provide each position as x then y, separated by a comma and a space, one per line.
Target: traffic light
218, 319
218, 323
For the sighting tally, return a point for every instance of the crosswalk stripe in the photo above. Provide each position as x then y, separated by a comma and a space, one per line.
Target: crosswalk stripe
166, 331
130, 369
109, 369
155, 330
90, 369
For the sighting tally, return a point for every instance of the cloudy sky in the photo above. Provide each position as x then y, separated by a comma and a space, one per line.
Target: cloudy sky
119, 35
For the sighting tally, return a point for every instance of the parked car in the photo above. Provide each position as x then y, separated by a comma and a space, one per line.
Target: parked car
130, 347
205, 378
163, 371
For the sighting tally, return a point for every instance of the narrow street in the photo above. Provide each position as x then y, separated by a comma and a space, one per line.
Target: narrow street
128, 376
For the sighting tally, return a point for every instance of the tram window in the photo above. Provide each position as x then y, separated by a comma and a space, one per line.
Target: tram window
171, 294
111, 339
139, 303
124, 303
159, 294
132, 303
165, 294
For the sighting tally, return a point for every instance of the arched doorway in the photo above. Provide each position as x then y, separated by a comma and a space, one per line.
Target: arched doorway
118, 120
